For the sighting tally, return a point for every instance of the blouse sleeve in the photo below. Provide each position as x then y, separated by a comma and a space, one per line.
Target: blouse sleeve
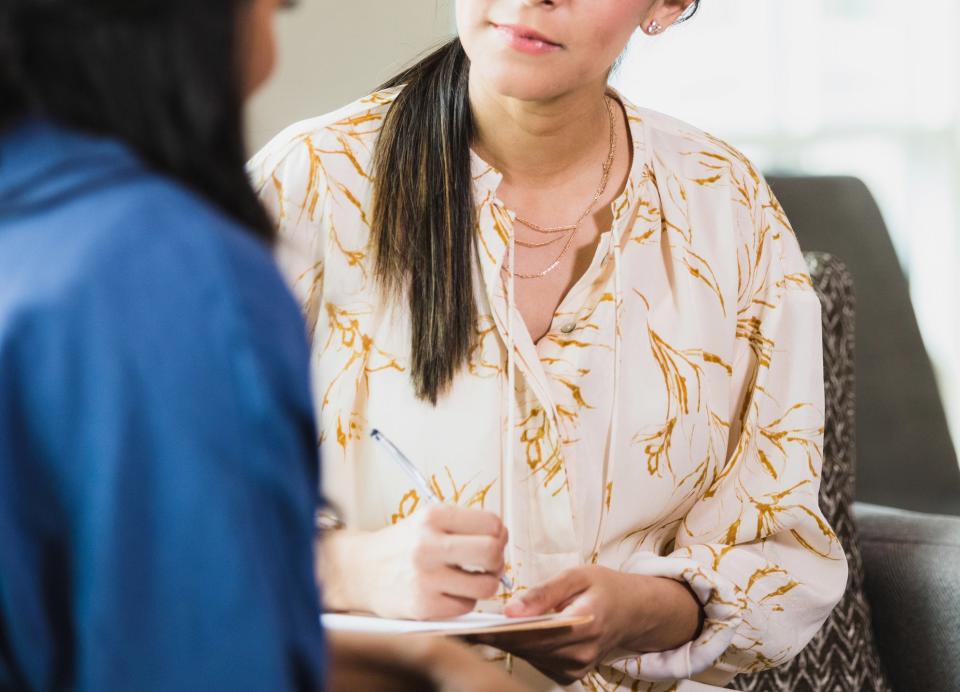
289, 178
756, 549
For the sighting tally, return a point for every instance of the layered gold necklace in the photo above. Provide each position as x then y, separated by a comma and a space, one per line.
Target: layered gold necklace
566, 233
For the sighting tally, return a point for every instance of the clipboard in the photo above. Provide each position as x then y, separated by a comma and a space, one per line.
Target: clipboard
469, 624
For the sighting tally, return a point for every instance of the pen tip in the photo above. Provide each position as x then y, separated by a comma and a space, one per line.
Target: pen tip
374, 433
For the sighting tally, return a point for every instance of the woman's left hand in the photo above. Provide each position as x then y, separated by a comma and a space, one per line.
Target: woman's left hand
633, 612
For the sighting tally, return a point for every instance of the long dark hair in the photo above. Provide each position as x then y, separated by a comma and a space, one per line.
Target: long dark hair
424, 215
163, 76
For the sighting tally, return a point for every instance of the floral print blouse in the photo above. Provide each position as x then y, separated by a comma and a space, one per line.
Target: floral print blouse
669, 424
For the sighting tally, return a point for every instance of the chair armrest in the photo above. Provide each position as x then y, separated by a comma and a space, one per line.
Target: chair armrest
912, 567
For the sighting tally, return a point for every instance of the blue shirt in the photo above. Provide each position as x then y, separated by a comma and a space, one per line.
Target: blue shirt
157, 448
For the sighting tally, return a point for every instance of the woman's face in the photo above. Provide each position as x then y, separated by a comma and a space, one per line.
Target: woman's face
256, 42
537, 50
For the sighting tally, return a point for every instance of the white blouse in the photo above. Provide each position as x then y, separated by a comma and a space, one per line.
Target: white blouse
669, 424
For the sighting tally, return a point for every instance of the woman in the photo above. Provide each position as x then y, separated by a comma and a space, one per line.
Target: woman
143, 421
579, 316
156, 431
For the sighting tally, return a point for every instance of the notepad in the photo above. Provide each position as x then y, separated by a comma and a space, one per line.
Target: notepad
471, 623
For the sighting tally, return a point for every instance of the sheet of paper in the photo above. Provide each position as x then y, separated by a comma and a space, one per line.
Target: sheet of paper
465, 624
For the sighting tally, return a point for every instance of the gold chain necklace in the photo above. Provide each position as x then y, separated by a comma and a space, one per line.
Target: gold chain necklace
572, 229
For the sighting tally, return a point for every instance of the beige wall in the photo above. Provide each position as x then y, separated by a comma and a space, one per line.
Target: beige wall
335, 51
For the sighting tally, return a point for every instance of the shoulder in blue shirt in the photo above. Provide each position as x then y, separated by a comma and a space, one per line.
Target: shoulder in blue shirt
157, 449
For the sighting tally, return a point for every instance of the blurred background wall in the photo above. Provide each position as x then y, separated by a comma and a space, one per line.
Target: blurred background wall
334, 51
840, 87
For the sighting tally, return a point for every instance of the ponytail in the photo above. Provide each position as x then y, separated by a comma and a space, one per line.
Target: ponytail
424, 217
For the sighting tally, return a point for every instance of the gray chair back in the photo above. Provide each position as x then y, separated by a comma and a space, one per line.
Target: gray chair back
905, 456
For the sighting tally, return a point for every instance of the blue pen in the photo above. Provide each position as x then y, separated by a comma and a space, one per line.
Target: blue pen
418, 479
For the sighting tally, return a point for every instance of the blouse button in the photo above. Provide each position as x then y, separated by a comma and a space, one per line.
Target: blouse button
567, 328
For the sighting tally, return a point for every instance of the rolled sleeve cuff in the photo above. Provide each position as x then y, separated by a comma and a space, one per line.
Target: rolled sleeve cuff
723, 605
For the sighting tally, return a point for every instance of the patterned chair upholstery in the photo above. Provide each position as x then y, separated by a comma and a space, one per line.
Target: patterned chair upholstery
918, 645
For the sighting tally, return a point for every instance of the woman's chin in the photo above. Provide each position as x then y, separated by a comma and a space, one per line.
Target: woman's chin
524, 84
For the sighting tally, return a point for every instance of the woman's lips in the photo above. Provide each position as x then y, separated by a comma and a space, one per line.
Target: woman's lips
526, 40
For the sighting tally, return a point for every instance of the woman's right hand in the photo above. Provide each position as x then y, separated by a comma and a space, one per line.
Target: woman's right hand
415, 568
